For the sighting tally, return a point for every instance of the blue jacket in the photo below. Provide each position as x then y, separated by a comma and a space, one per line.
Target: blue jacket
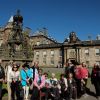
24, 75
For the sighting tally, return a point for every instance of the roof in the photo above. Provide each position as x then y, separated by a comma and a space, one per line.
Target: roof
46, 46
91, 42
40, 35
11, 19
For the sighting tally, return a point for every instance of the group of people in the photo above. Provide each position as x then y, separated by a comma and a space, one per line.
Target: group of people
81, 74
29, 82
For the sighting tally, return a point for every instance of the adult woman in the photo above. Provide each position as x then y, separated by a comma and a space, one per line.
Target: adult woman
25, 76
95, 79
64, 86
15, 79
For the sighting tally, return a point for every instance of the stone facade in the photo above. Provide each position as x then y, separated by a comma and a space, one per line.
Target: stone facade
50, 53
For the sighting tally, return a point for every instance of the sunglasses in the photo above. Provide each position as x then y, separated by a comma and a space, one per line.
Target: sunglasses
14, 67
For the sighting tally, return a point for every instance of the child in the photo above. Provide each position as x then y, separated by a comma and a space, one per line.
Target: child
55, 93
72, 91
64, 85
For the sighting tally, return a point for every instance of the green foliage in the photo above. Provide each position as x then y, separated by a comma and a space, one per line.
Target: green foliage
5, 87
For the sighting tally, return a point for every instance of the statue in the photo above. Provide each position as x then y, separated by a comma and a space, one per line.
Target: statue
16, 37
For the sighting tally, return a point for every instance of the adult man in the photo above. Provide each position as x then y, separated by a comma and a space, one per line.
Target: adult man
8, 70
2, 78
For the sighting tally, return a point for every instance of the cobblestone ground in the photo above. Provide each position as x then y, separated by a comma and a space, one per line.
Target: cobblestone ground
61, 70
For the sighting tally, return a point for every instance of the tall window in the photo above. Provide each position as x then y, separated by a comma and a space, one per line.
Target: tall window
52, 57
87, 51
97, 51
52, 60
44, 57
44, 54
52, 52
60, 52
37, 54
44, 61
87, 63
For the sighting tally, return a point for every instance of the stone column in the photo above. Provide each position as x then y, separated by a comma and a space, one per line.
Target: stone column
78, 55
65, 55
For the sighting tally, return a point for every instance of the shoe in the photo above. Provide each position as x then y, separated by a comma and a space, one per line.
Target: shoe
85, 95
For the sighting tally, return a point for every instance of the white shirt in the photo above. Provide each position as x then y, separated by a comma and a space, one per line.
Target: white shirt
14, 75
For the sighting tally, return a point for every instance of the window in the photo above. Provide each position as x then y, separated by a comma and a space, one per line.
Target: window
52, 53
37, 54
87, 51
44, 54
97, 51
60, 52
87, 63
37, 43
44, 61
52, 60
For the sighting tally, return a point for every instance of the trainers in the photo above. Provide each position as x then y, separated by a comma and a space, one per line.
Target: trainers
85, 95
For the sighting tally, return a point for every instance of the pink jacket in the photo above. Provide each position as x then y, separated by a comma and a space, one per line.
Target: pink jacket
42, 81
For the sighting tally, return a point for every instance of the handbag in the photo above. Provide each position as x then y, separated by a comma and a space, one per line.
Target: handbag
21, 89
30, 81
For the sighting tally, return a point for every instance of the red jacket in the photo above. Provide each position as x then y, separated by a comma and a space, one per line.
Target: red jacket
84, 72
78, 74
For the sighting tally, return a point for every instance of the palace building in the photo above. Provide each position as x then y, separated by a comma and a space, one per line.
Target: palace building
18, 45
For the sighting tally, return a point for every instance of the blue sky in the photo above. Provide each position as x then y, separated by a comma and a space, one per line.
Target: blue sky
60, 17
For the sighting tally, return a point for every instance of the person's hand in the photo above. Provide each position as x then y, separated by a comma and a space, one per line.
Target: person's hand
65, 89
1, 80
27, 80
4, 81
52, 95
83, 81
38, 88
